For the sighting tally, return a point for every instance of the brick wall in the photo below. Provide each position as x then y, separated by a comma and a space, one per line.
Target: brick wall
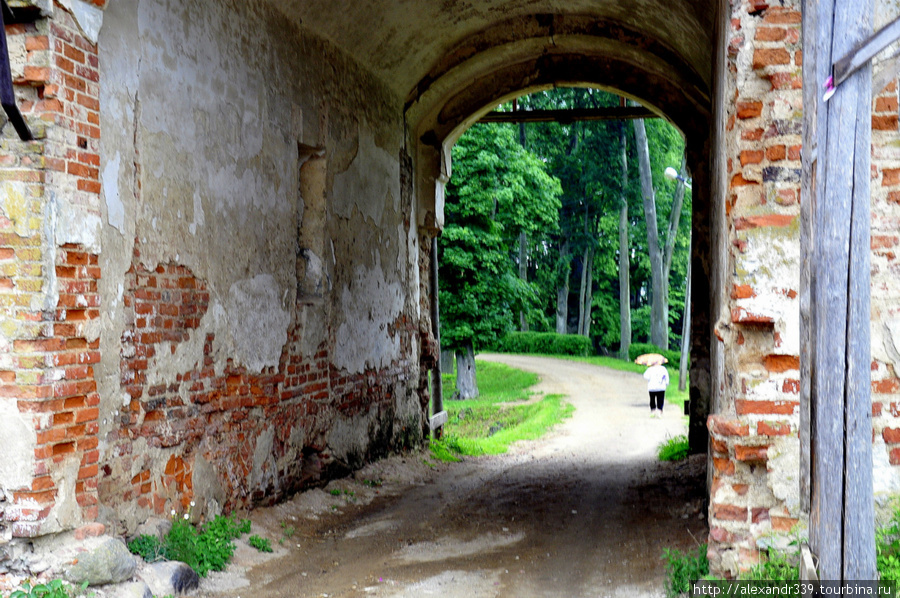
48, 287
758, 424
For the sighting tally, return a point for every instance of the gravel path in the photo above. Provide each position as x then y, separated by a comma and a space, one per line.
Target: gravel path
584, 512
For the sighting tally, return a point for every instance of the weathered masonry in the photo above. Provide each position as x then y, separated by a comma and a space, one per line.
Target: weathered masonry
214, 258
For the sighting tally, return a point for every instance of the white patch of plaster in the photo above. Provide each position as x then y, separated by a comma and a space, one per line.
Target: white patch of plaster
115, 209
77, 225
89, 18
784, 472
65, 514
17, 432
348, 438
15, 206
886, 342
199, 219
370, 184
262, 476
258, 321
369, 304
885, 477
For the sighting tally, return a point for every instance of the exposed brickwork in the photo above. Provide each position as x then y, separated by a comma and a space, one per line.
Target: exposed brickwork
760, 337
49, 293
219, 415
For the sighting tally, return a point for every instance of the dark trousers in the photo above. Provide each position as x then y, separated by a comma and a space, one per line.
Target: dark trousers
656, 399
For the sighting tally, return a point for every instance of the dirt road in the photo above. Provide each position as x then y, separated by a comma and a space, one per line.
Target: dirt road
584, 512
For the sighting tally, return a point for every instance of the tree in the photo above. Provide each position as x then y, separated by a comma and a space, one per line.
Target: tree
498, 191
624, 248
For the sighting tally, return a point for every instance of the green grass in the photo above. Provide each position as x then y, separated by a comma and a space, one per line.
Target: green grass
673, 449
673, 395
489, 424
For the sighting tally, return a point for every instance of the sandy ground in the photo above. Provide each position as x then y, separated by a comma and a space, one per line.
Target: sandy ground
584, 512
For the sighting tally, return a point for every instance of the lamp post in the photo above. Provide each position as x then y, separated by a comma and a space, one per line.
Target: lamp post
673, 175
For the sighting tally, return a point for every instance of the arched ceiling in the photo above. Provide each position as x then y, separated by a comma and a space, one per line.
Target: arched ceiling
452, 59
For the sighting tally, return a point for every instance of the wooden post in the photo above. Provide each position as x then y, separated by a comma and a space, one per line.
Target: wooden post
685, 332
437, 389
837, 146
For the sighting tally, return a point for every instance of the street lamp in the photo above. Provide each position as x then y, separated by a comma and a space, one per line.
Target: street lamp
672, 174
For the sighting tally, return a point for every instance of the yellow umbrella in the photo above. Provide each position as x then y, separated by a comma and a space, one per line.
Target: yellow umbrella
650, 359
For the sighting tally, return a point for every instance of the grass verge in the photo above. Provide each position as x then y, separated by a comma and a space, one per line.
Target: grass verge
500, 416
673, 395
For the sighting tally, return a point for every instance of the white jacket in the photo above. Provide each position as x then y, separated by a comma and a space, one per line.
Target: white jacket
657, 378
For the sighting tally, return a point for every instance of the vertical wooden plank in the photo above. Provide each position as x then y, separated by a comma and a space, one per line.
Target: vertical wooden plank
807, 291
859, 509
841, 522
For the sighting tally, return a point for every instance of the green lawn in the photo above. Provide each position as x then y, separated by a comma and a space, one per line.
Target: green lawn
501, 415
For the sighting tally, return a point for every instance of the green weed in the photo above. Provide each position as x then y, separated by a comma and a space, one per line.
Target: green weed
887, 549
259, 543
206, 549
56, 588
683, 568
673, 449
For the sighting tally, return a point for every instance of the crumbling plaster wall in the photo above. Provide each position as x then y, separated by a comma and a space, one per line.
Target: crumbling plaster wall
208, 111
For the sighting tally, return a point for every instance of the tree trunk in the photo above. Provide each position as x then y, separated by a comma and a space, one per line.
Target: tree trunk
562, 292
523, 275
685, 333
466, 386
659, 307
582, 290
624, 258
588, 294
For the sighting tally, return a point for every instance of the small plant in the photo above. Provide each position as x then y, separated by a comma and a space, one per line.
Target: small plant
52, 589
683, 569
287, 532
887, 549
261, 544
203, 550
775, 567
373, 483
673, 449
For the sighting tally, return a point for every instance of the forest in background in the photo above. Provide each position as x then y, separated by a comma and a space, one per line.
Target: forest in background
536, 214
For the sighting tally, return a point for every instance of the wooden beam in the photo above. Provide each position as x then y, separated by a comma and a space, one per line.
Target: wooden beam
837, 146
568, 116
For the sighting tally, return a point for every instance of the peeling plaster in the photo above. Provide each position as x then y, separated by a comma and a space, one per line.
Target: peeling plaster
368, 304
886, 342
371, 184
89, 18
262, 476
784, 472
115, 209
258, 320
75, 224
19, 439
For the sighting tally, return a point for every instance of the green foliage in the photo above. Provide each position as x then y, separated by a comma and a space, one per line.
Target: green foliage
500, 416
547, 343
203, 550
149, 548
673, 449
887, 549
776, 566
55, 588
497, 191
637, 349
684, 568
259, 543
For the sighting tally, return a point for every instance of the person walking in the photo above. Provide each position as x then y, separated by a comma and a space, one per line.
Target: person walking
657, 377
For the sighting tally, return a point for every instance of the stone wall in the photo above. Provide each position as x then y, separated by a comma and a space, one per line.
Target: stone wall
258, 324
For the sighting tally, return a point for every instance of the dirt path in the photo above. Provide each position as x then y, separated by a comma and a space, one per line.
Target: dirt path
584, 512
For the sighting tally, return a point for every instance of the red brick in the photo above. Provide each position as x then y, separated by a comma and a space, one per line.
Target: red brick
763, 57
764, 428
750, 453
794, 152
891, 435
749, 109
730, 512
36, 43
719, 424
783, 524
752, 134
889, 386
723, 466
886, 104
775, 153
746, 407
770, 34
778, 15
721, 535
884, 122
895, 456
791, 386
781, 363
775, 220
751, 157
742, 291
